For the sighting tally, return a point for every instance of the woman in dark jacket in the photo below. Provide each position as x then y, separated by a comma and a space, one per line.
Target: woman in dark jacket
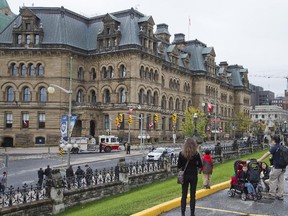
189, 153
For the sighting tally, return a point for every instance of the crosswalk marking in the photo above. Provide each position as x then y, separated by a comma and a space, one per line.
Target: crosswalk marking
228, 211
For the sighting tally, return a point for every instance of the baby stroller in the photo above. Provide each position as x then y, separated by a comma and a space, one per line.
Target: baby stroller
237, 186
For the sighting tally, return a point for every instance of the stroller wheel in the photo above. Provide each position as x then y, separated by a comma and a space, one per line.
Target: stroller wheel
243, 196
231, 193
259, 196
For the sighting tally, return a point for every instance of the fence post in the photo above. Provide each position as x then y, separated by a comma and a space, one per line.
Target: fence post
123, 170
56, 193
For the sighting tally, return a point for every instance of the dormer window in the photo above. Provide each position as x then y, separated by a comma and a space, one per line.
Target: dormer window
108, 31
36, 39
28, 27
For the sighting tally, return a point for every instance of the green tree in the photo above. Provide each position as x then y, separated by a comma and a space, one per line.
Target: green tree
243, 121
188, 126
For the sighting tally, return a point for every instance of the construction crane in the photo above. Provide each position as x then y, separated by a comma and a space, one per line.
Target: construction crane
271, 76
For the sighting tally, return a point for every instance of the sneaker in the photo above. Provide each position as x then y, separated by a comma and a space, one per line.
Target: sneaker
280, 198
208, 187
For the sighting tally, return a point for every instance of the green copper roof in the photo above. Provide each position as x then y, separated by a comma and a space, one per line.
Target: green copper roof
6, 15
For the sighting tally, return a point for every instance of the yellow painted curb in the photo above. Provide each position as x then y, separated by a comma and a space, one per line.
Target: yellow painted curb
167, 206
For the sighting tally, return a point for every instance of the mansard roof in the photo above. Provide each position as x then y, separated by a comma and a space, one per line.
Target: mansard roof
6, 15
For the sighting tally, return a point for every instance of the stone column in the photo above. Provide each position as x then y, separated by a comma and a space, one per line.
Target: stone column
123, 170
56, 192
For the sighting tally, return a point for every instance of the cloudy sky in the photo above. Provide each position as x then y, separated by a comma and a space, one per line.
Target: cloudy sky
252, 33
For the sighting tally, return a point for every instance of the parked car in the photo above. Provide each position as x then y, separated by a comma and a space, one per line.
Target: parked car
159, 153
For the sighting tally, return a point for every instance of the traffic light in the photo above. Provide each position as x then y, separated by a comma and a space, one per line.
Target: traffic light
116, 122
130, 119
61, 152
120, 117
174, 118
156, 118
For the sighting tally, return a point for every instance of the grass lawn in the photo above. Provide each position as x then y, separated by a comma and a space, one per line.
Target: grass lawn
150, 195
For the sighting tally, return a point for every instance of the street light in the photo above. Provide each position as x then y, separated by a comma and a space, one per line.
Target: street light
51, 90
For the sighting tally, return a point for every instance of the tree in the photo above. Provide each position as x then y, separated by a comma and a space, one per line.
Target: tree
242, 122
188, 126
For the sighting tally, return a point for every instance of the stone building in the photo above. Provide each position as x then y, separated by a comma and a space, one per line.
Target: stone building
118, 63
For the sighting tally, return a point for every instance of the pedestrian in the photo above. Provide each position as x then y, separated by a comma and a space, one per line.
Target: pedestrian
190, 156
207, 169
80, 174
70, 177
47, 172
235, 145
100, 147
276, 176
40, 177
88, 175
218, 149
128, 148
3, 182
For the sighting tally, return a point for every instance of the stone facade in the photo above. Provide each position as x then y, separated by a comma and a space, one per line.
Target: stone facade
117, 63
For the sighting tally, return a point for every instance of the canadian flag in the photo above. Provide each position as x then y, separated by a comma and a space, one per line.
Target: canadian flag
130, 111
210, 107
151, 125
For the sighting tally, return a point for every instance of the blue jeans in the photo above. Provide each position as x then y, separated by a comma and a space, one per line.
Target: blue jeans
250, 187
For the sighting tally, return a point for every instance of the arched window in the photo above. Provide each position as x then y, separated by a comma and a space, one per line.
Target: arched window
42, 94
189, 104
14, 70
177, 104
79, 96
40, 70
31, 70
104, 73
122, 95
93, 97
28, 39
26, 94
122, 71
107, 97
141, 96
19, 39
170, 104
163, 82
155, 99
146, 73
80, 74
149, 97
93, 74
36, 39
163, 102
22, 70
111, 72
141, 72
10, 94
183, 105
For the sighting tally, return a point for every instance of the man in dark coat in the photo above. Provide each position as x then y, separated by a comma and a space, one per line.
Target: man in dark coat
80, 174
70, 177
40, 177
89, 175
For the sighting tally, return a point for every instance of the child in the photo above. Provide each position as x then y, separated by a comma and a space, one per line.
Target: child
265, 175
207, 169
243, 177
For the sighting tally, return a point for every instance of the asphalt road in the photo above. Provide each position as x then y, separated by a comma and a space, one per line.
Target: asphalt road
220, 204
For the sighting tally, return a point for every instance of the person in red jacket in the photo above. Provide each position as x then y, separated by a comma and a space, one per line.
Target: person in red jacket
207, 168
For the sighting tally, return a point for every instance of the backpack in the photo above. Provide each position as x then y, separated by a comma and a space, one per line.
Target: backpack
207, 167
283, 160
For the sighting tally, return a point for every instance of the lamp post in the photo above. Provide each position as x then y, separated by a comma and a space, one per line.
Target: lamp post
195, 117
51, 90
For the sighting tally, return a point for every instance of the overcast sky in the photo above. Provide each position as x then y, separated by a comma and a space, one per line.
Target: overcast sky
252, 33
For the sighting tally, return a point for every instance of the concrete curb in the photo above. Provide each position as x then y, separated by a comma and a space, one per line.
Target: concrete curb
175, 203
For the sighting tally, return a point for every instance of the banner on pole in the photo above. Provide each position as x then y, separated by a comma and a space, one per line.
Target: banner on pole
64, 126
